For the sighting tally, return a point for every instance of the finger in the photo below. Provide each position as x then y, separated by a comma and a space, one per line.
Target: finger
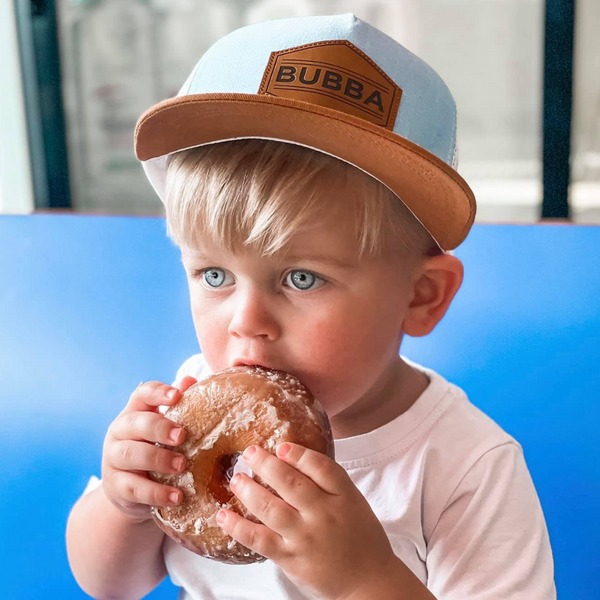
186, 382
325, 472
255, 536
274, 512
129, 455
147, 426
139, 489
152, 394
295, 488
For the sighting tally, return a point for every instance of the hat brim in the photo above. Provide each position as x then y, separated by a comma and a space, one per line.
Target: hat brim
434, 192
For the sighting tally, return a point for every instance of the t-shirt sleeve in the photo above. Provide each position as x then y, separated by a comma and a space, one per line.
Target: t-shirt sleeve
491, 541
93, 483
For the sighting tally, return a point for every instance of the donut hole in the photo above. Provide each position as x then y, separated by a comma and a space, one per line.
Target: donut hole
225, 467
233, 464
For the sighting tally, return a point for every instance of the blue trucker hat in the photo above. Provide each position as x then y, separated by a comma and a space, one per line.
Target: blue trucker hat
334, 84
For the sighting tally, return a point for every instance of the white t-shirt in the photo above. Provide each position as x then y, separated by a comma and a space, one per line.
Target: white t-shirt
452, 491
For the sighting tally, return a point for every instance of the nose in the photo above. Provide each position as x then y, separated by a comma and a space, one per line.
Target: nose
253, 316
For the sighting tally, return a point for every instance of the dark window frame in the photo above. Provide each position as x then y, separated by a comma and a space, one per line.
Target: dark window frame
37, 31
558, 107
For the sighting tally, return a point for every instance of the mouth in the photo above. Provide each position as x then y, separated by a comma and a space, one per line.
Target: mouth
249, 363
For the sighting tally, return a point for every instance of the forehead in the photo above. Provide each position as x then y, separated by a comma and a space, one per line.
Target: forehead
334, 232
330, 233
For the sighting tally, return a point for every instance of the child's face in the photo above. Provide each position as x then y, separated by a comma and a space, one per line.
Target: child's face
337, 327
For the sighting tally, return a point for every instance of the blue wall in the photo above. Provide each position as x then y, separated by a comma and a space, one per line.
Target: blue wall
90, 306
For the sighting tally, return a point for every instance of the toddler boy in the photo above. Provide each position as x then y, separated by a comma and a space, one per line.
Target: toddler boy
308, 170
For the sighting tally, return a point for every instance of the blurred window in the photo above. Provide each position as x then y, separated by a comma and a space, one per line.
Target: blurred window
121, 56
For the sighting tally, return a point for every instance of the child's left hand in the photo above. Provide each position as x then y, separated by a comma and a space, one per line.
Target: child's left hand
321, 532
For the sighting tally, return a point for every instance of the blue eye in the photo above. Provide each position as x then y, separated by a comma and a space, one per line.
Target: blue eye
214, 277
303, 280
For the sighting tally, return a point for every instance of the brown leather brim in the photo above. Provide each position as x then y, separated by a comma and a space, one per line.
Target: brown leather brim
437, 195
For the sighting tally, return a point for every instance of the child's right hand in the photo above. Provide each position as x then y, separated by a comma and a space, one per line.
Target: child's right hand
130, 451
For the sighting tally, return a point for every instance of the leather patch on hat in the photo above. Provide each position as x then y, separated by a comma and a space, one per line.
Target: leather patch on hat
334, 74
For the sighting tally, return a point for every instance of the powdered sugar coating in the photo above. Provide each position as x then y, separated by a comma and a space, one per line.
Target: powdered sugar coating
223, 414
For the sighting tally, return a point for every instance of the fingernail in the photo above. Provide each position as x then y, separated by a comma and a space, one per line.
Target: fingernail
249, 452
178, 463
172, 393
175, 434
283, 450
174, 497
221, 516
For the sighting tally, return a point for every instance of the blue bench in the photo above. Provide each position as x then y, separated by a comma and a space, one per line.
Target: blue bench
92, 305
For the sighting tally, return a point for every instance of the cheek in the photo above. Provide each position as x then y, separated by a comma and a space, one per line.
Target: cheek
352, 330
211, 335
343, 353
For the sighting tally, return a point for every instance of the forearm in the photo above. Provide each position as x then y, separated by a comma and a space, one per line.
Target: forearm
400, 584
112, 557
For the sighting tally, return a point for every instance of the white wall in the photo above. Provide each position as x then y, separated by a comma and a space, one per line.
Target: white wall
16, 188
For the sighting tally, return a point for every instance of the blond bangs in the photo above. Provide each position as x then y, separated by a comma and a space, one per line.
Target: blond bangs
258, 193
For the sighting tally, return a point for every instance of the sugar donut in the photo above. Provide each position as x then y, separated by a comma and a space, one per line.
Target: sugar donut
223, 414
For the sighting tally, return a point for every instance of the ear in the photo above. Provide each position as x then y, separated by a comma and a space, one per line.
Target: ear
438, 280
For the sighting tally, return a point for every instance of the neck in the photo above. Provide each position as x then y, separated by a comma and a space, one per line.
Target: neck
393, 394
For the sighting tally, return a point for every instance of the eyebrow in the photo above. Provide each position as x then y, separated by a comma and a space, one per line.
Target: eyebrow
323, 258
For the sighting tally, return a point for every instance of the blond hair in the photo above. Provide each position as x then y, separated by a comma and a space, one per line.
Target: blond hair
258, 193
